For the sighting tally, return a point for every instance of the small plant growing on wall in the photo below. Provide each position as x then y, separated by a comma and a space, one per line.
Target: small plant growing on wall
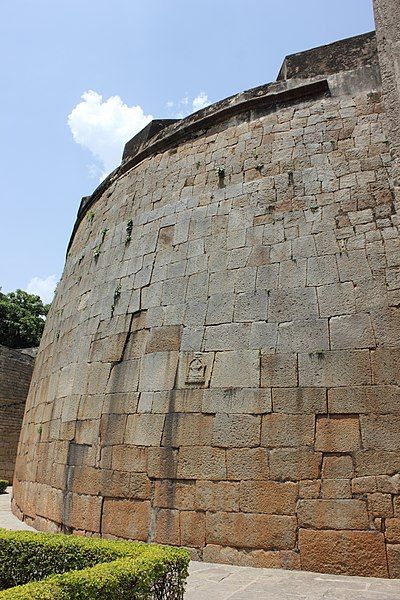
129, 227
117, 293
96, 251
90, 216
221, 176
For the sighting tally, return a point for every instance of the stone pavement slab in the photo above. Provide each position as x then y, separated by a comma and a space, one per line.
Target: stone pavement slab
227, 582
223, 582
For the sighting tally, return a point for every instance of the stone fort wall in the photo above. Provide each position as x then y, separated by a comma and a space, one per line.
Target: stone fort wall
220, 366
387, 17
15, 375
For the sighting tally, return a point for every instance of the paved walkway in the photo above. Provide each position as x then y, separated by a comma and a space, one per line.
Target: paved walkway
7, 519
225, 582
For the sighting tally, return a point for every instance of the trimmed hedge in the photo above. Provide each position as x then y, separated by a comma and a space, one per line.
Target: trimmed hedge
53, 566
3, 485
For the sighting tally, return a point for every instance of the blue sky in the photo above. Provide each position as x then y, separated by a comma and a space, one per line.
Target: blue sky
160, 58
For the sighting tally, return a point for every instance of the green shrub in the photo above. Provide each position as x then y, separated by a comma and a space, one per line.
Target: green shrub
3, 485
52, 566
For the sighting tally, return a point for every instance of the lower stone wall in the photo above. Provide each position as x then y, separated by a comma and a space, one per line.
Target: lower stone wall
15, 376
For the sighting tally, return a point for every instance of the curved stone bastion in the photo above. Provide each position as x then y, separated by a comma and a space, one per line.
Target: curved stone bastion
220, 366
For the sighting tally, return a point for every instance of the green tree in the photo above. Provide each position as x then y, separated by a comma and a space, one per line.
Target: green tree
22, 318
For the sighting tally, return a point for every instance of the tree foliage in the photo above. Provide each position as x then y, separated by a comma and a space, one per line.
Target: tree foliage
22, 318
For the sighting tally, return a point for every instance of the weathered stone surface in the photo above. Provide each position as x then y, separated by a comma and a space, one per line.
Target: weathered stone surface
129, 458
83, 512
380, 432
335, 488
337, 467
237, 400
287, 304
278, 370
108, 349
338, 368
281, 559
309, 335
236, 369
158, 371
192, 529
125, 518
162, 463
250, 530
387, 23
294, 464
336, 299
268, 497
182, 429
233, 431
217, 496
164, 339
280, 430
247, 463
382, 399
376, 462
385, 366
174, 494
202, 463
337, 434
299, 400
392, 532
309, 488
124, 377
167, 529
362, 485
351, 331
380, 505
333, 514
144, 430
343, 552
393, 557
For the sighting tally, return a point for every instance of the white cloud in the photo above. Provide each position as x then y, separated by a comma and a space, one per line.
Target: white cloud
186, 105
43, 287
201, 101
95, 172
103, 127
